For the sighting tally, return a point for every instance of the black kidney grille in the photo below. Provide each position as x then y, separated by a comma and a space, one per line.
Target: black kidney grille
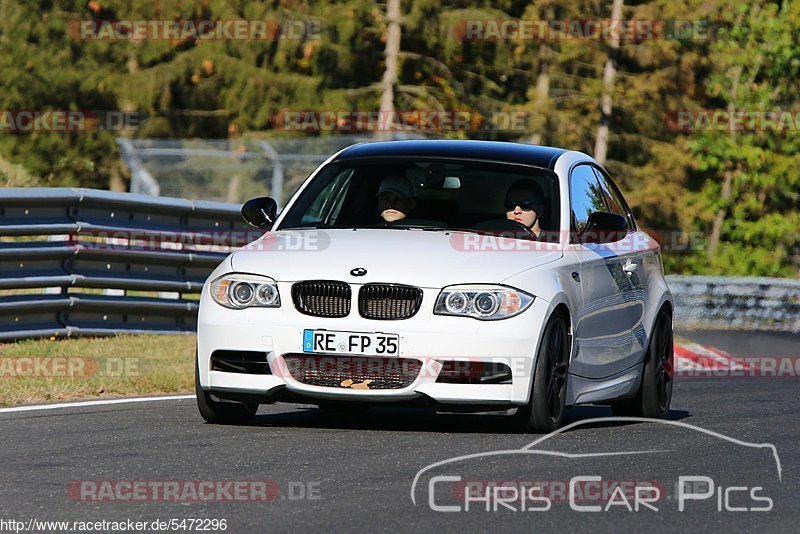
388, 301
322, 298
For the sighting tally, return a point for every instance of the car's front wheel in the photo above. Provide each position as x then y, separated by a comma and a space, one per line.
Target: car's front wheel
545, 409
221, 413
655, 391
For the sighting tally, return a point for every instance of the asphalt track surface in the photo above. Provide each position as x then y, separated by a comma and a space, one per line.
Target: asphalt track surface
339, 475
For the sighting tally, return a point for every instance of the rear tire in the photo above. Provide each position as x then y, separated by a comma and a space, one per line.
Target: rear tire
545, 409
221, 413
655, 391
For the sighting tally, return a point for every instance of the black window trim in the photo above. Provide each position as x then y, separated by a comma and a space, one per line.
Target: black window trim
573, 229
343, 161
605, 175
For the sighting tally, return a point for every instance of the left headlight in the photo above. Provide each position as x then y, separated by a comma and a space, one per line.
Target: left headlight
484, 302
238, 291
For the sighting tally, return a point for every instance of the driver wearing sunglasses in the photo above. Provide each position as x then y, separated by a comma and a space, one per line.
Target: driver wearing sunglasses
525, 204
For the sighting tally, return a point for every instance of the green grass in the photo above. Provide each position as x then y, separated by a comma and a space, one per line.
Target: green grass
91, 368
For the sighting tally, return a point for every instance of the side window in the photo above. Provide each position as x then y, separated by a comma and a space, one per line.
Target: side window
585, 195
328, 203
616, 204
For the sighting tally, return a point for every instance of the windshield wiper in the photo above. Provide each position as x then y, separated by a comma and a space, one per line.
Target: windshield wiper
319, 226
444, 229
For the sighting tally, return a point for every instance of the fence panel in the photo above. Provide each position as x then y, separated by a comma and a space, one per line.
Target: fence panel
73, 260
736, 303
76, 261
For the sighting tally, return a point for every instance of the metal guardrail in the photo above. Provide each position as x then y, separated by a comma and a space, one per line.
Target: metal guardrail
59, 247
63, 242
736, 303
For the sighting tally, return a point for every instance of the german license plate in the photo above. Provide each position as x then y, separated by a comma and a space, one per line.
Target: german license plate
355, 343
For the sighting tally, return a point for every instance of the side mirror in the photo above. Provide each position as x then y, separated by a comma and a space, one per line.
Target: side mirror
260, 212
604, 227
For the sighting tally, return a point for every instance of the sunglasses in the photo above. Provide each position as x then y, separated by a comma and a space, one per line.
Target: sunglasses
525, 205
391, 200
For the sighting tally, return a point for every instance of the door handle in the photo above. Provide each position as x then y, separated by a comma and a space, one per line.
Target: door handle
630, 267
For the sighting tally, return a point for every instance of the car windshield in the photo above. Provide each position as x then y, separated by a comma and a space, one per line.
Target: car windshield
447, 194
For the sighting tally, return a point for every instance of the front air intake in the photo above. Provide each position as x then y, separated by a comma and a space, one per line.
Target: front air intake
240, 361
353, 372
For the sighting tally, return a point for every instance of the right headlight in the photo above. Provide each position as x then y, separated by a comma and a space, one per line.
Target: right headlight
238, 291
484, 302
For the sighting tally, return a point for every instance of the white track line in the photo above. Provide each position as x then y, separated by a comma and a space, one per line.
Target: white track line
696, 351
81, 404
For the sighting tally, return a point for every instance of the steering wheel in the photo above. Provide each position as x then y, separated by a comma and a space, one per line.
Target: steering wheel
523, 227
500, 226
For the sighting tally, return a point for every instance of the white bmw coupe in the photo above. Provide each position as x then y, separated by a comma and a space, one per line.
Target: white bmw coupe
454, 275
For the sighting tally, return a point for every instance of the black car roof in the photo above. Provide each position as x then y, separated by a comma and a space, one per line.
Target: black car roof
538, 156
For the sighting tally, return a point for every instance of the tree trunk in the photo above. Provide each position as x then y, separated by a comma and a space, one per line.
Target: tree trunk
233, 189
609, 72
392, 52
541, 95
727, 184
14, 175
719, 218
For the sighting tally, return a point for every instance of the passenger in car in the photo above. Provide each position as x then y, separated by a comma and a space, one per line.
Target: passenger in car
525, 204
395, 198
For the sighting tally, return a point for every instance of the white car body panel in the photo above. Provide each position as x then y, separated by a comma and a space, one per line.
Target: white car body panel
611, 313
387, 255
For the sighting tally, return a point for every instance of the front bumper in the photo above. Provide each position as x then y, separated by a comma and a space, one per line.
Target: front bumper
432, 339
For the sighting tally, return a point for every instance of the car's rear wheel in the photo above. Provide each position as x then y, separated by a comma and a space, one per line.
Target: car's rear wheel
655, 391
221, 413
545, 409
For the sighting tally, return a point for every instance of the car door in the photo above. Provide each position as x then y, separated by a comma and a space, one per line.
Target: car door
604, 321
633, 252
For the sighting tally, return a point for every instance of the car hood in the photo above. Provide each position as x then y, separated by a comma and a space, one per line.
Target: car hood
423, 258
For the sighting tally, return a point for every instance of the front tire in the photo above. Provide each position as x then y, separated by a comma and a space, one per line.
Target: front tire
221, 413
545, 409
655, 391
